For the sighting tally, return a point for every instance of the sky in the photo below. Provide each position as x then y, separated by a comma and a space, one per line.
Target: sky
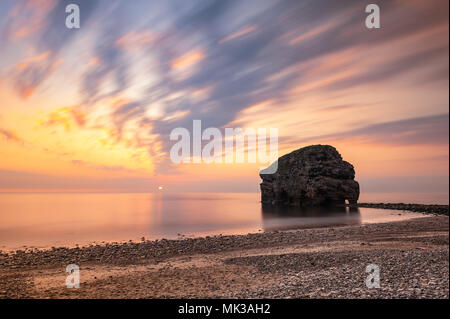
91, 109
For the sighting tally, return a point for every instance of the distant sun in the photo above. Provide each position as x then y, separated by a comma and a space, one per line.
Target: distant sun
160, 188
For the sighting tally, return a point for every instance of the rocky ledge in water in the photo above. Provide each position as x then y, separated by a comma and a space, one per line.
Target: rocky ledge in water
420, 208
315, 175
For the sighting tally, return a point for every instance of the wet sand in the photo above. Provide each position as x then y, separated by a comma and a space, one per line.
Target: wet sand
310, 263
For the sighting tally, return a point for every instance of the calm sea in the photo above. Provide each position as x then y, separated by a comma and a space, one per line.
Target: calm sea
43, 220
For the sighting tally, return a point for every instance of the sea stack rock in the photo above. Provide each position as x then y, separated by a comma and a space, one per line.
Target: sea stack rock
315, 175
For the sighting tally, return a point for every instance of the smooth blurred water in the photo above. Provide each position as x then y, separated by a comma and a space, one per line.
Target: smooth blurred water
55, 219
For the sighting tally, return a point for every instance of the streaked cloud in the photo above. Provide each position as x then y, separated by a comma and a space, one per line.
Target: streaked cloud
241, 32
136, 39
28, 74
430, 130
26, 18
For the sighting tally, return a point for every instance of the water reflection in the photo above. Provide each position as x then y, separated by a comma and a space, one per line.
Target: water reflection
275, 217
45, 220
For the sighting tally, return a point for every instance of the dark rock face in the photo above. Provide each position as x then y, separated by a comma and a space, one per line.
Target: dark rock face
311, 176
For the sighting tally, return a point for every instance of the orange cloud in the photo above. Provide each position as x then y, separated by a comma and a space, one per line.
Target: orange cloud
66, 116
27, 91
188, 59
135, 39
93, 62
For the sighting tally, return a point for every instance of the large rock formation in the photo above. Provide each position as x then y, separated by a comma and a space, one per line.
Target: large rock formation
311, 176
